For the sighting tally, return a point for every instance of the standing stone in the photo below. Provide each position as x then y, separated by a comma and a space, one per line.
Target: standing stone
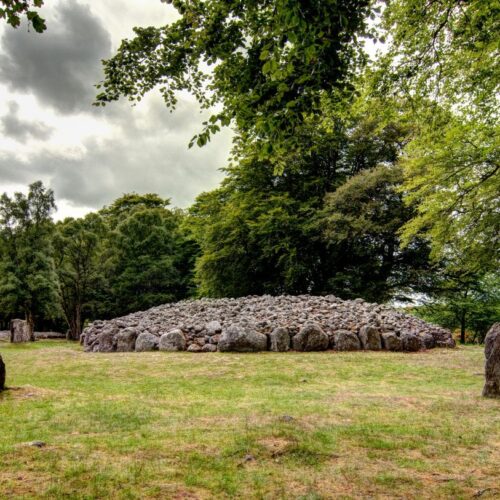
125, 340
492, 368
146, 342
19, 331
279, 340
242, 339
369, 337
2, 374
345, 340
172, 341
311, 337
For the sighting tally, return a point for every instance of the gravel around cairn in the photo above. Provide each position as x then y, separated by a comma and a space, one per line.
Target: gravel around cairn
260, 323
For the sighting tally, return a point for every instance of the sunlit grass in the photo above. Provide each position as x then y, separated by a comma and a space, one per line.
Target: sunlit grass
268, 425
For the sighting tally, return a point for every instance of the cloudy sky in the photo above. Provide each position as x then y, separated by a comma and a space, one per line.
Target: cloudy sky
89, 156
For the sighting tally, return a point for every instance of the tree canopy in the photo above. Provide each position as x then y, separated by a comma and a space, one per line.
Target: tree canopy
267, 63
13, 11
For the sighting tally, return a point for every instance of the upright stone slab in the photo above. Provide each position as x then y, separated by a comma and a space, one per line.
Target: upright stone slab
492, 367
19, 331
2, 374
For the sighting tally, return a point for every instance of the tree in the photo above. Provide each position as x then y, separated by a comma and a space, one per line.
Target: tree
262, 232
144, 254
363, 218
443, 62
78, 251
28, 279
13, 10
469, 302
451, 176
267, 63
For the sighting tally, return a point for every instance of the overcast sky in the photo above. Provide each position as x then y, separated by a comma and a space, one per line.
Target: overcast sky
89, 156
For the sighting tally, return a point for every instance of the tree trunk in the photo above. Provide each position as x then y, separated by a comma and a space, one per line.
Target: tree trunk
75, 324
31, 325
462, 327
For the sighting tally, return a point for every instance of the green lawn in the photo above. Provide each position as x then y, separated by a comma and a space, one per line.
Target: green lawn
268, 425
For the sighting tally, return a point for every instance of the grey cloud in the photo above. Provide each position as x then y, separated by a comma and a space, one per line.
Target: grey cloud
149, 154
60, 66
21, 130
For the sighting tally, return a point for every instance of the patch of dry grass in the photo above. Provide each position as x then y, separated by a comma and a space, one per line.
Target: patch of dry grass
295, 425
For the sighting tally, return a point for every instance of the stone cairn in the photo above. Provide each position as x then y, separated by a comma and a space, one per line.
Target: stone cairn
492, 367
260, 323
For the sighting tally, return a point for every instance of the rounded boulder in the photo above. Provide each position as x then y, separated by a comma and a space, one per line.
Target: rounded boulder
172, 341
238, 338
311, 337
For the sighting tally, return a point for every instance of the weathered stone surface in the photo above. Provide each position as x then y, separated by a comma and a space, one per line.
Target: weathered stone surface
125, 340
391, 342
2, 374
428, 340
146, 342
194, 348
213, 328
209, 348
107, 341
447, 343
411, 342
242, 339
173, 340
311, 338
345, 340
492, 367
202, 321
279, 340
19, 331
369, 336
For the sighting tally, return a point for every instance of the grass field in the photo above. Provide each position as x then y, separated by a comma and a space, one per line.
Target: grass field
294, 425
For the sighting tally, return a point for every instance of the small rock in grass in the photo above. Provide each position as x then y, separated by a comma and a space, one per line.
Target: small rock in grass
37, 444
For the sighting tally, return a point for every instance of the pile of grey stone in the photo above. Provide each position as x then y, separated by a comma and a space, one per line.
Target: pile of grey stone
260, 323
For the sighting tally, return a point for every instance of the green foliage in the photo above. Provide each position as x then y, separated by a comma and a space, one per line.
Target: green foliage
146, 254
443, 63
13, 10
266, 63
468, 302
363, 218
78, 251
28, 282
444, 51
451, 174
268, 233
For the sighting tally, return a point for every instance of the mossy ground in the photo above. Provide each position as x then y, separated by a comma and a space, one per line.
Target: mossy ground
294, 425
